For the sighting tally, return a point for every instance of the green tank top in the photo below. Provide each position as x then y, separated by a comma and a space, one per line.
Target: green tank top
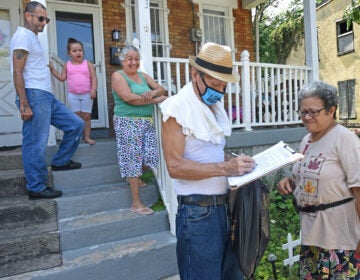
123, 109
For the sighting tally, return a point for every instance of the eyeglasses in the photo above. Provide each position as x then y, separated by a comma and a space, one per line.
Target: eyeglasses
41, 18
311, 113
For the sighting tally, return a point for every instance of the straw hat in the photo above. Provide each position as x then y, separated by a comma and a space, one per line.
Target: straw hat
215, 60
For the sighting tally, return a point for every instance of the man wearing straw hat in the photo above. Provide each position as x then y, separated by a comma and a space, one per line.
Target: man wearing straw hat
193, 138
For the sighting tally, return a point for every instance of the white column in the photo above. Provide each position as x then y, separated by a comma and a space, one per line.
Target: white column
311, 42
143, 32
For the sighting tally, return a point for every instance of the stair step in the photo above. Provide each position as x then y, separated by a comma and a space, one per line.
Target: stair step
102, 198
90, 155
11, 159
13, 183
84, 231
24, 217
29, 253
149, 257
87, 176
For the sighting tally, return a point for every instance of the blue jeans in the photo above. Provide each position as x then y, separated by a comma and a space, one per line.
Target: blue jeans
47, 110
203, 244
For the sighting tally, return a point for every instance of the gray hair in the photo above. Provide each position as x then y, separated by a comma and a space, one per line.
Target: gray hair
31, 6
127, 49
325, 92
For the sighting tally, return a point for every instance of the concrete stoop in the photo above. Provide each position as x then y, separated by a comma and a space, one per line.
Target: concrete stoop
29, 237
100, 238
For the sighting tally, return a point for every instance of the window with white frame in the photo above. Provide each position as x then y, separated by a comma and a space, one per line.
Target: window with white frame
158, 21
345, 37
159, 28
217, 24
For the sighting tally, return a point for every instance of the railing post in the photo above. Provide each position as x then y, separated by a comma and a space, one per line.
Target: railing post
245, 90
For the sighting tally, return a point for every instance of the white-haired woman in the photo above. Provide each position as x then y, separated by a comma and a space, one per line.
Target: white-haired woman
326, 185
134, 94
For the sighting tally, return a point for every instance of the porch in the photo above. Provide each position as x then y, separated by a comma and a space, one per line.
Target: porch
262, 107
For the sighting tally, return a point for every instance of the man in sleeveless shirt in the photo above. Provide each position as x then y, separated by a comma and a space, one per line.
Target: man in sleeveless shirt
193, 138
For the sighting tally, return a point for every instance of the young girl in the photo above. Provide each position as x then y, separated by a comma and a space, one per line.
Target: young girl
81, 84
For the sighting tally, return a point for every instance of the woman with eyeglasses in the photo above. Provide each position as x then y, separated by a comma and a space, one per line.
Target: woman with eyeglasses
326, 187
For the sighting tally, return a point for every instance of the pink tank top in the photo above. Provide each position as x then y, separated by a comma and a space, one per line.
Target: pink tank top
78, 77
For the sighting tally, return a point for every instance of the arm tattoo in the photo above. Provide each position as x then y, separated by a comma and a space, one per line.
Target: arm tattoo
19, 54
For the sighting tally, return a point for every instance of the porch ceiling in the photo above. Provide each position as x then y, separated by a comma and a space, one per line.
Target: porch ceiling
248, 4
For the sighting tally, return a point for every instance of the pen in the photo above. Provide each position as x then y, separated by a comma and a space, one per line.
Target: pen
236, 155
233, 154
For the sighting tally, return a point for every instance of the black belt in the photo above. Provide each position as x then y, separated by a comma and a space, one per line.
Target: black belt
202, 200
321, 207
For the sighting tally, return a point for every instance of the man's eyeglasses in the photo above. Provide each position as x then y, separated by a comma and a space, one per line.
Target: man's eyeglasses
311, 113
41, 18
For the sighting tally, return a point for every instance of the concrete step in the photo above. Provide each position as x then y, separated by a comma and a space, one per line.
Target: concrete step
11, 159
24, 217
29, 253
102, 198
84, 231
104, 151
29, 239
13, 183
99, 237
149, 257
86, 176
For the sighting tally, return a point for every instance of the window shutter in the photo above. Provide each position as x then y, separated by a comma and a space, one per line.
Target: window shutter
351, 98
347, 109
343, 105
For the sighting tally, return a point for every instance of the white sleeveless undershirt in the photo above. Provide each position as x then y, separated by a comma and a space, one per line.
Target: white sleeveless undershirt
203, 152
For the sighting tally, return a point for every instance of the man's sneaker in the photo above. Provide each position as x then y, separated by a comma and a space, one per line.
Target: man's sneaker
69, 166
46, 193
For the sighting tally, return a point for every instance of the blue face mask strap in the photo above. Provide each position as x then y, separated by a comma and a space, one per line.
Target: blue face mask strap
223, 92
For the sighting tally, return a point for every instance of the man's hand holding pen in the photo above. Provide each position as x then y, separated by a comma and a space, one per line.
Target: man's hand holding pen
239, 165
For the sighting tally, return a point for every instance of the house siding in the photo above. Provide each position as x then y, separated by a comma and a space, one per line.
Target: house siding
334, 68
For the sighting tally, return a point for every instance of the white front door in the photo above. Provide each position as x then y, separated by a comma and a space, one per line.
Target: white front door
84, 23
10, 121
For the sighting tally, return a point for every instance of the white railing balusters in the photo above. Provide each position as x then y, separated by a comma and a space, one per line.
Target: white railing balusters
290, 245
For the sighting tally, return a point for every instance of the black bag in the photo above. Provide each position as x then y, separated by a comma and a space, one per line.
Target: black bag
250, 224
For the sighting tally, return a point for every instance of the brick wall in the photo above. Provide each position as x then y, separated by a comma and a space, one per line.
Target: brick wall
183, 16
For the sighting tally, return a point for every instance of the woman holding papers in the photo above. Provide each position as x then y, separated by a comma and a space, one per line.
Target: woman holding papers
326, 186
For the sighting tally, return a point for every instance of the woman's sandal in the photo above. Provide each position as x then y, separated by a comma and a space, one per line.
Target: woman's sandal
142, 211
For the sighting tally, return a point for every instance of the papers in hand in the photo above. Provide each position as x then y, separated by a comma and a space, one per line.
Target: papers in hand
272, 159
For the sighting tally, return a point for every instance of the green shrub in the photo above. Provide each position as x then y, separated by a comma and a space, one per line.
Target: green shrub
284, 219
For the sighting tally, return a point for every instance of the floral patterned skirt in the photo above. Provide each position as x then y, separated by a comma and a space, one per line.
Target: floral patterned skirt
318, 264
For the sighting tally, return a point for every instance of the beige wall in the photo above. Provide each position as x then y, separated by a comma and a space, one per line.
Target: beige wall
333, 68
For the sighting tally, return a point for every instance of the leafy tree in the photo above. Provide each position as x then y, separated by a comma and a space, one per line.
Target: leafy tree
279, 34
352, 13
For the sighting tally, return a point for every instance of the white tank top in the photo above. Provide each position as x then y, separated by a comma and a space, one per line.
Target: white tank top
204, 152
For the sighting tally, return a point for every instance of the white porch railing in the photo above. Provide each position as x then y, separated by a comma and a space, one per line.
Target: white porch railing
266, 96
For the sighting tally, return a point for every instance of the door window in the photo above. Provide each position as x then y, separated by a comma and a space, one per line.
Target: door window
81, 26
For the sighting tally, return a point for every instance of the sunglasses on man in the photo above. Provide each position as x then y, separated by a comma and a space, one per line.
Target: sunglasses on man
41, 18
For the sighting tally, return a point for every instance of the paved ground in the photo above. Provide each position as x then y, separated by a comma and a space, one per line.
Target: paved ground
174, 277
